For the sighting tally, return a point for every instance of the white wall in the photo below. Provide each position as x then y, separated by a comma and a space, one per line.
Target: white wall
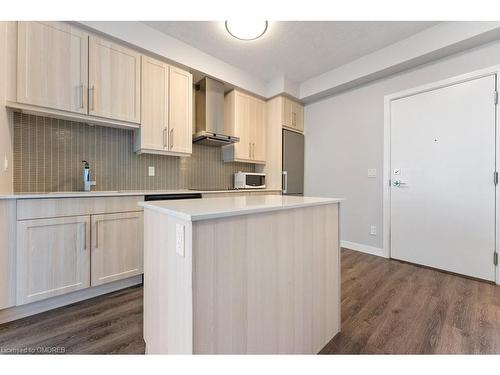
344, 138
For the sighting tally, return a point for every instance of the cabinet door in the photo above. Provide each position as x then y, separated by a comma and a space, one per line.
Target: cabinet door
241, 126
52, 66
259, 144
298, 116
180, 111
53, 257
154, 109
287, 112
252, 125
117, 246
114, 81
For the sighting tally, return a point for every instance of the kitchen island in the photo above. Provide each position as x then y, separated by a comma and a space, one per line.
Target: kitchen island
256, 274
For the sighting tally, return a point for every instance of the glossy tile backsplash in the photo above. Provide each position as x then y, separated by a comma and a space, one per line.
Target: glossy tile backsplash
48, 155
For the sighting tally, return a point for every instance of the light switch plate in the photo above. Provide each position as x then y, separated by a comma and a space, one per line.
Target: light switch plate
373, 230
179, 239
5, 163
372, 173
151, 171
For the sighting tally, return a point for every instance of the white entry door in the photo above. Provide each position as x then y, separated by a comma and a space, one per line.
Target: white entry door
442, 174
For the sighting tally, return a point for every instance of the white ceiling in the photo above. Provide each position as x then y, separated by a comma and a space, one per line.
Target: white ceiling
297, 50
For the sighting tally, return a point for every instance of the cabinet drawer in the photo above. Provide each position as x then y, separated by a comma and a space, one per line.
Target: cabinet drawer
59, 207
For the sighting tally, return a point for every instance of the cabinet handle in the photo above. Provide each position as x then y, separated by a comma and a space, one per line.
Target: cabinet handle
164, 138
285, 181
293, 119
249, 150
97, 234
253, 151
81, 95
91, 97
84, 229
172, 138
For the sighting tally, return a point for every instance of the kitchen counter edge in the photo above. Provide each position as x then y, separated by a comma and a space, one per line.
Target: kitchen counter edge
231, 206
94, 194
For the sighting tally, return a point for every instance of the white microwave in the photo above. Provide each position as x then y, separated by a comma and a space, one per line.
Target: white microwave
247, 180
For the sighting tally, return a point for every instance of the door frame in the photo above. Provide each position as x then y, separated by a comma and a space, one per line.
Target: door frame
493, 70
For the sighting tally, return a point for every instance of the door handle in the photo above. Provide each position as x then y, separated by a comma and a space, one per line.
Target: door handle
398, 183
285, 182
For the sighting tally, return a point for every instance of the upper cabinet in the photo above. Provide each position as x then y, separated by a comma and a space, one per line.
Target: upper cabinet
258, 129
52, 60
67, 73
167, 110
180, 117
292, 115
152, 136
114, 81
246, 115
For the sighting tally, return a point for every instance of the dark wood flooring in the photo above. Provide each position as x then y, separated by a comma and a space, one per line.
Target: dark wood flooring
111, 323
391, 307
387, 307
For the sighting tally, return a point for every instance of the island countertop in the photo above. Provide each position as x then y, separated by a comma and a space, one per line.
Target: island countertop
213, 208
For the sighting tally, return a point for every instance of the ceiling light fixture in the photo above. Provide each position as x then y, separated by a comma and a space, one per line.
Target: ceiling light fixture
246, 30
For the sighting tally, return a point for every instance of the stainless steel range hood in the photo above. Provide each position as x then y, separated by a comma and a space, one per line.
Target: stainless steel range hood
210, 127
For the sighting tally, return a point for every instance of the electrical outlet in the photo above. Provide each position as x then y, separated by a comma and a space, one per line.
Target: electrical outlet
179, 239
372, 173
5, 163
151, 171
373, 230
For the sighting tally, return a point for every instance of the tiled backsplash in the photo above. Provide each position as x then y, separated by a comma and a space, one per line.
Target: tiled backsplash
48, 155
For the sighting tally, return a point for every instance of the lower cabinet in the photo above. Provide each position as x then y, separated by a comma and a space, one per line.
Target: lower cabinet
56, 256
53, 257
117, 242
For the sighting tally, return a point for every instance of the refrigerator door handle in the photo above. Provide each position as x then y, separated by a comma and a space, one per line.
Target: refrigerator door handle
285, 182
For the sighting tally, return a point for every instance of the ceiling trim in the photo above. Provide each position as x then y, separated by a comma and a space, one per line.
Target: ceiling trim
441, 40
436, 42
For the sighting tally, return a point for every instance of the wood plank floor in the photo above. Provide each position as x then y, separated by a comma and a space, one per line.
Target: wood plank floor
111, 323
391, 307
387, 307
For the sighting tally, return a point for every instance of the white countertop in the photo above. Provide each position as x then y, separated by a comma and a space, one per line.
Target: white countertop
115, 193
213, 208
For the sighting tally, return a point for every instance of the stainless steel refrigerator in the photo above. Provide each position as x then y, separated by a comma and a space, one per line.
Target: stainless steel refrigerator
293, 163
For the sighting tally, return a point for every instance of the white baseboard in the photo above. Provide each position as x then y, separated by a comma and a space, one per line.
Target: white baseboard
364, 248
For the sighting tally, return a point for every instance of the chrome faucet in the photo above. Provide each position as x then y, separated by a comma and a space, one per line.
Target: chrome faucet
86, 176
